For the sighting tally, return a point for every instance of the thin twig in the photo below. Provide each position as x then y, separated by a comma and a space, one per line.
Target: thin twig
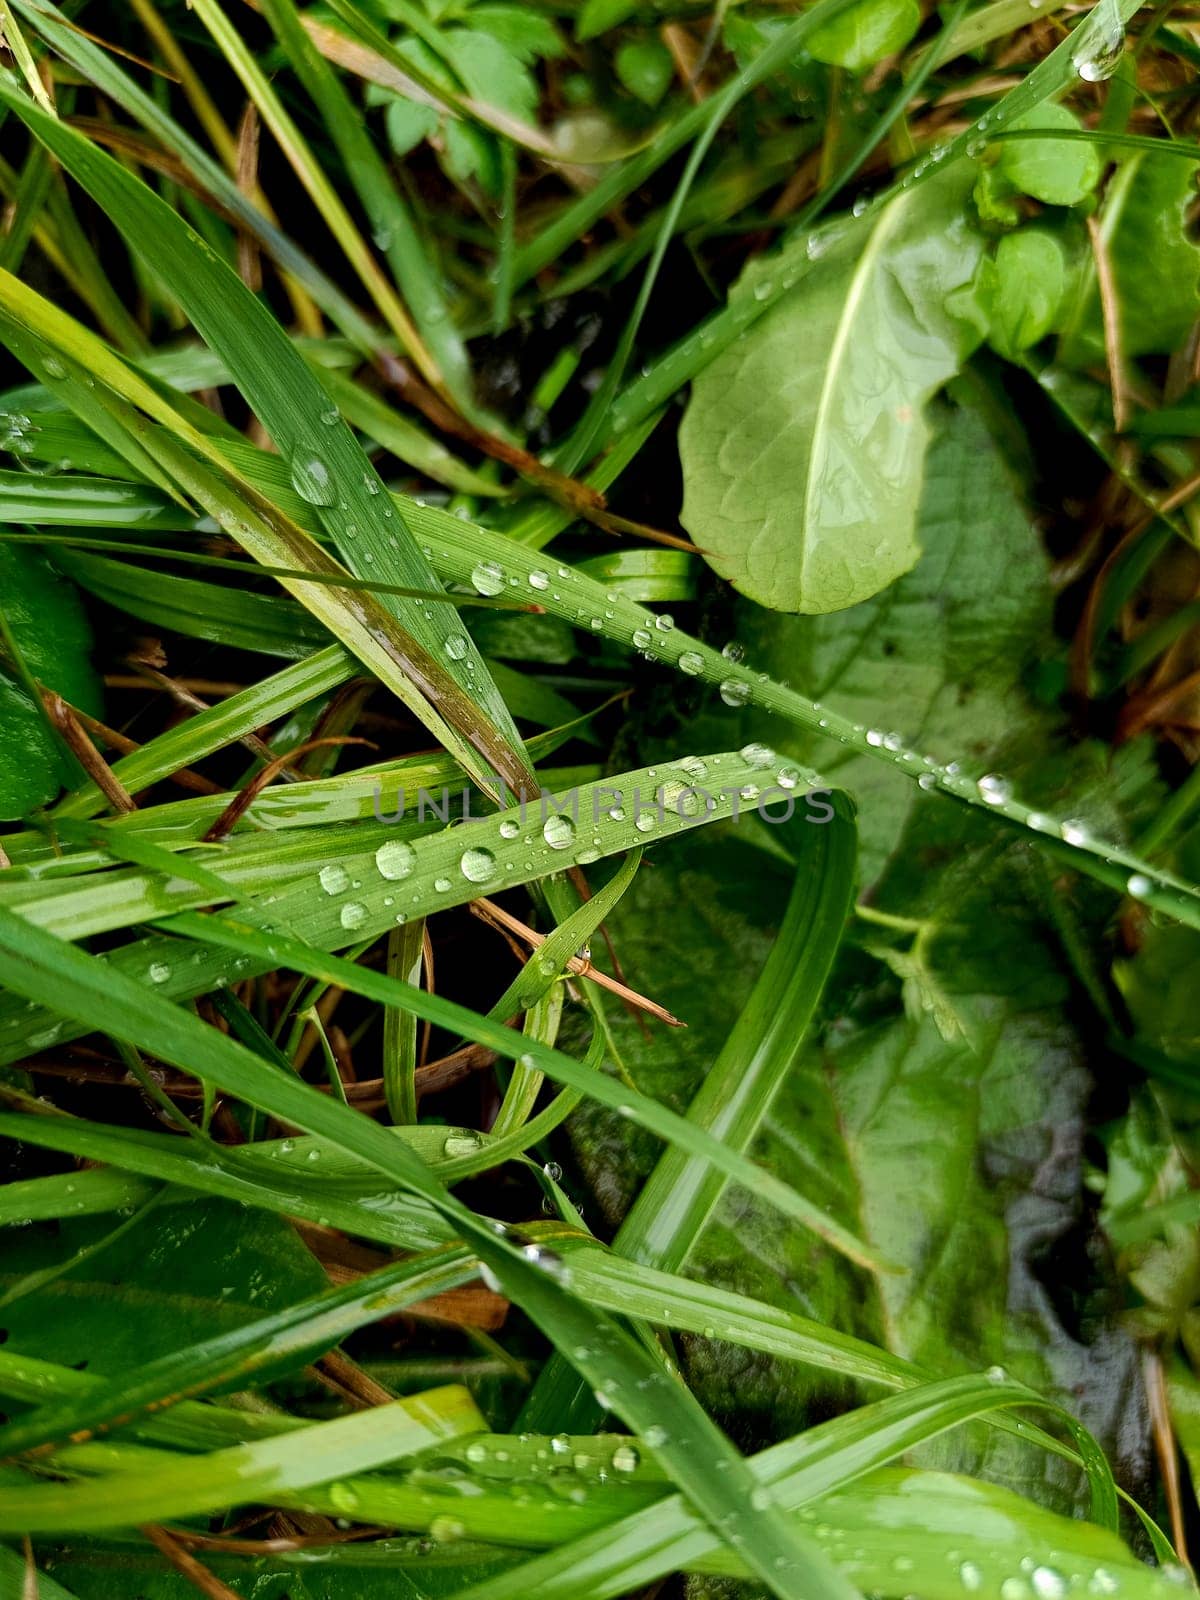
1110, 310
489, 911
75, 737
186, 1564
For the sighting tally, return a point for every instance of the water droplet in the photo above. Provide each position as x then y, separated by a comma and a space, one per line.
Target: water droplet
1103, 1582
756, 755
655, 1436
1096, 62
787, 777
970, 1576
488, 577
692, 663
442, 885
1014, 1589
1139, 886
334, 879
996, 1375
734, 692
644, 821
509, 828
311, 480
353, 914
461, 1144
642, 638
694, 767
734, 651
625, 1458
456, 646
1074, 832
159, 972
478, 864
330, 417
54, 368
476, 1452
558, 831
395, 859
1048, 1583
994, 789
664, 623
539, 579
445, 1530
927, 780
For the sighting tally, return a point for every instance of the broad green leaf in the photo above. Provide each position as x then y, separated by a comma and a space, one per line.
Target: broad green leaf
1145, 231
870, 30
1058, 171
644, 66
48, 626
182, 1272
803, 444
1028, 285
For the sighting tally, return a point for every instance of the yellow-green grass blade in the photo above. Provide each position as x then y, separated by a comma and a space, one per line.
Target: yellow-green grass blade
328, 467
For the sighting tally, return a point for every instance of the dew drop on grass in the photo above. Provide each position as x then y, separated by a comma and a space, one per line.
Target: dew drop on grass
665, 622
488, 577
642, 638
996, 1375
694, 767
311, 480
509, 829
734, 692
994, 789
970, 1576
756, 755
644, 822
1074, 832
655, 1436
1139, 886
1103, 1582
734, 651
476, 1453
478, 864
539, 580
159, 972
1096, 62
625, 1458
461, 1144
1048, 1583
395, 859
445, 1530
456, 646
334, 878
558, 831
354, 914
691, 662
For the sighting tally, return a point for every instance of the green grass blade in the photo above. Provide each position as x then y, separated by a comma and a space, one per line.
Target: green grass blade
326, 462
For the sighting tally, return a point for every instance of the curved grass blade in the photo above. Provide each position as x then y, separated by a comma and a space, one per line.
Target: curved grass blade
681, 1193
47, 970
327, 465
169, 1486
667, 1537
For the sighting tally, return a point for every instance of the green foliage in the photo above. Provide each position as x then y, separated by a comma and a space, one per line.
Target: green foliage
48, 630
521, 1094
866, 33
803, 444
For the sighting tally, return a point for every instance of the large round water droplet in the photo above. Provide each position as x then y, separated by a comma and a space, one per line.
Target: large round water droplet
625, 1458
691, 662
456, 646
395, 859
488, 577
334, 879
311, 480
642, 638
353, 914
539, 580
478, 864
734, 692
1096, 62
1048, 1583
159, 972
994, 789
756, 755
558, 831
